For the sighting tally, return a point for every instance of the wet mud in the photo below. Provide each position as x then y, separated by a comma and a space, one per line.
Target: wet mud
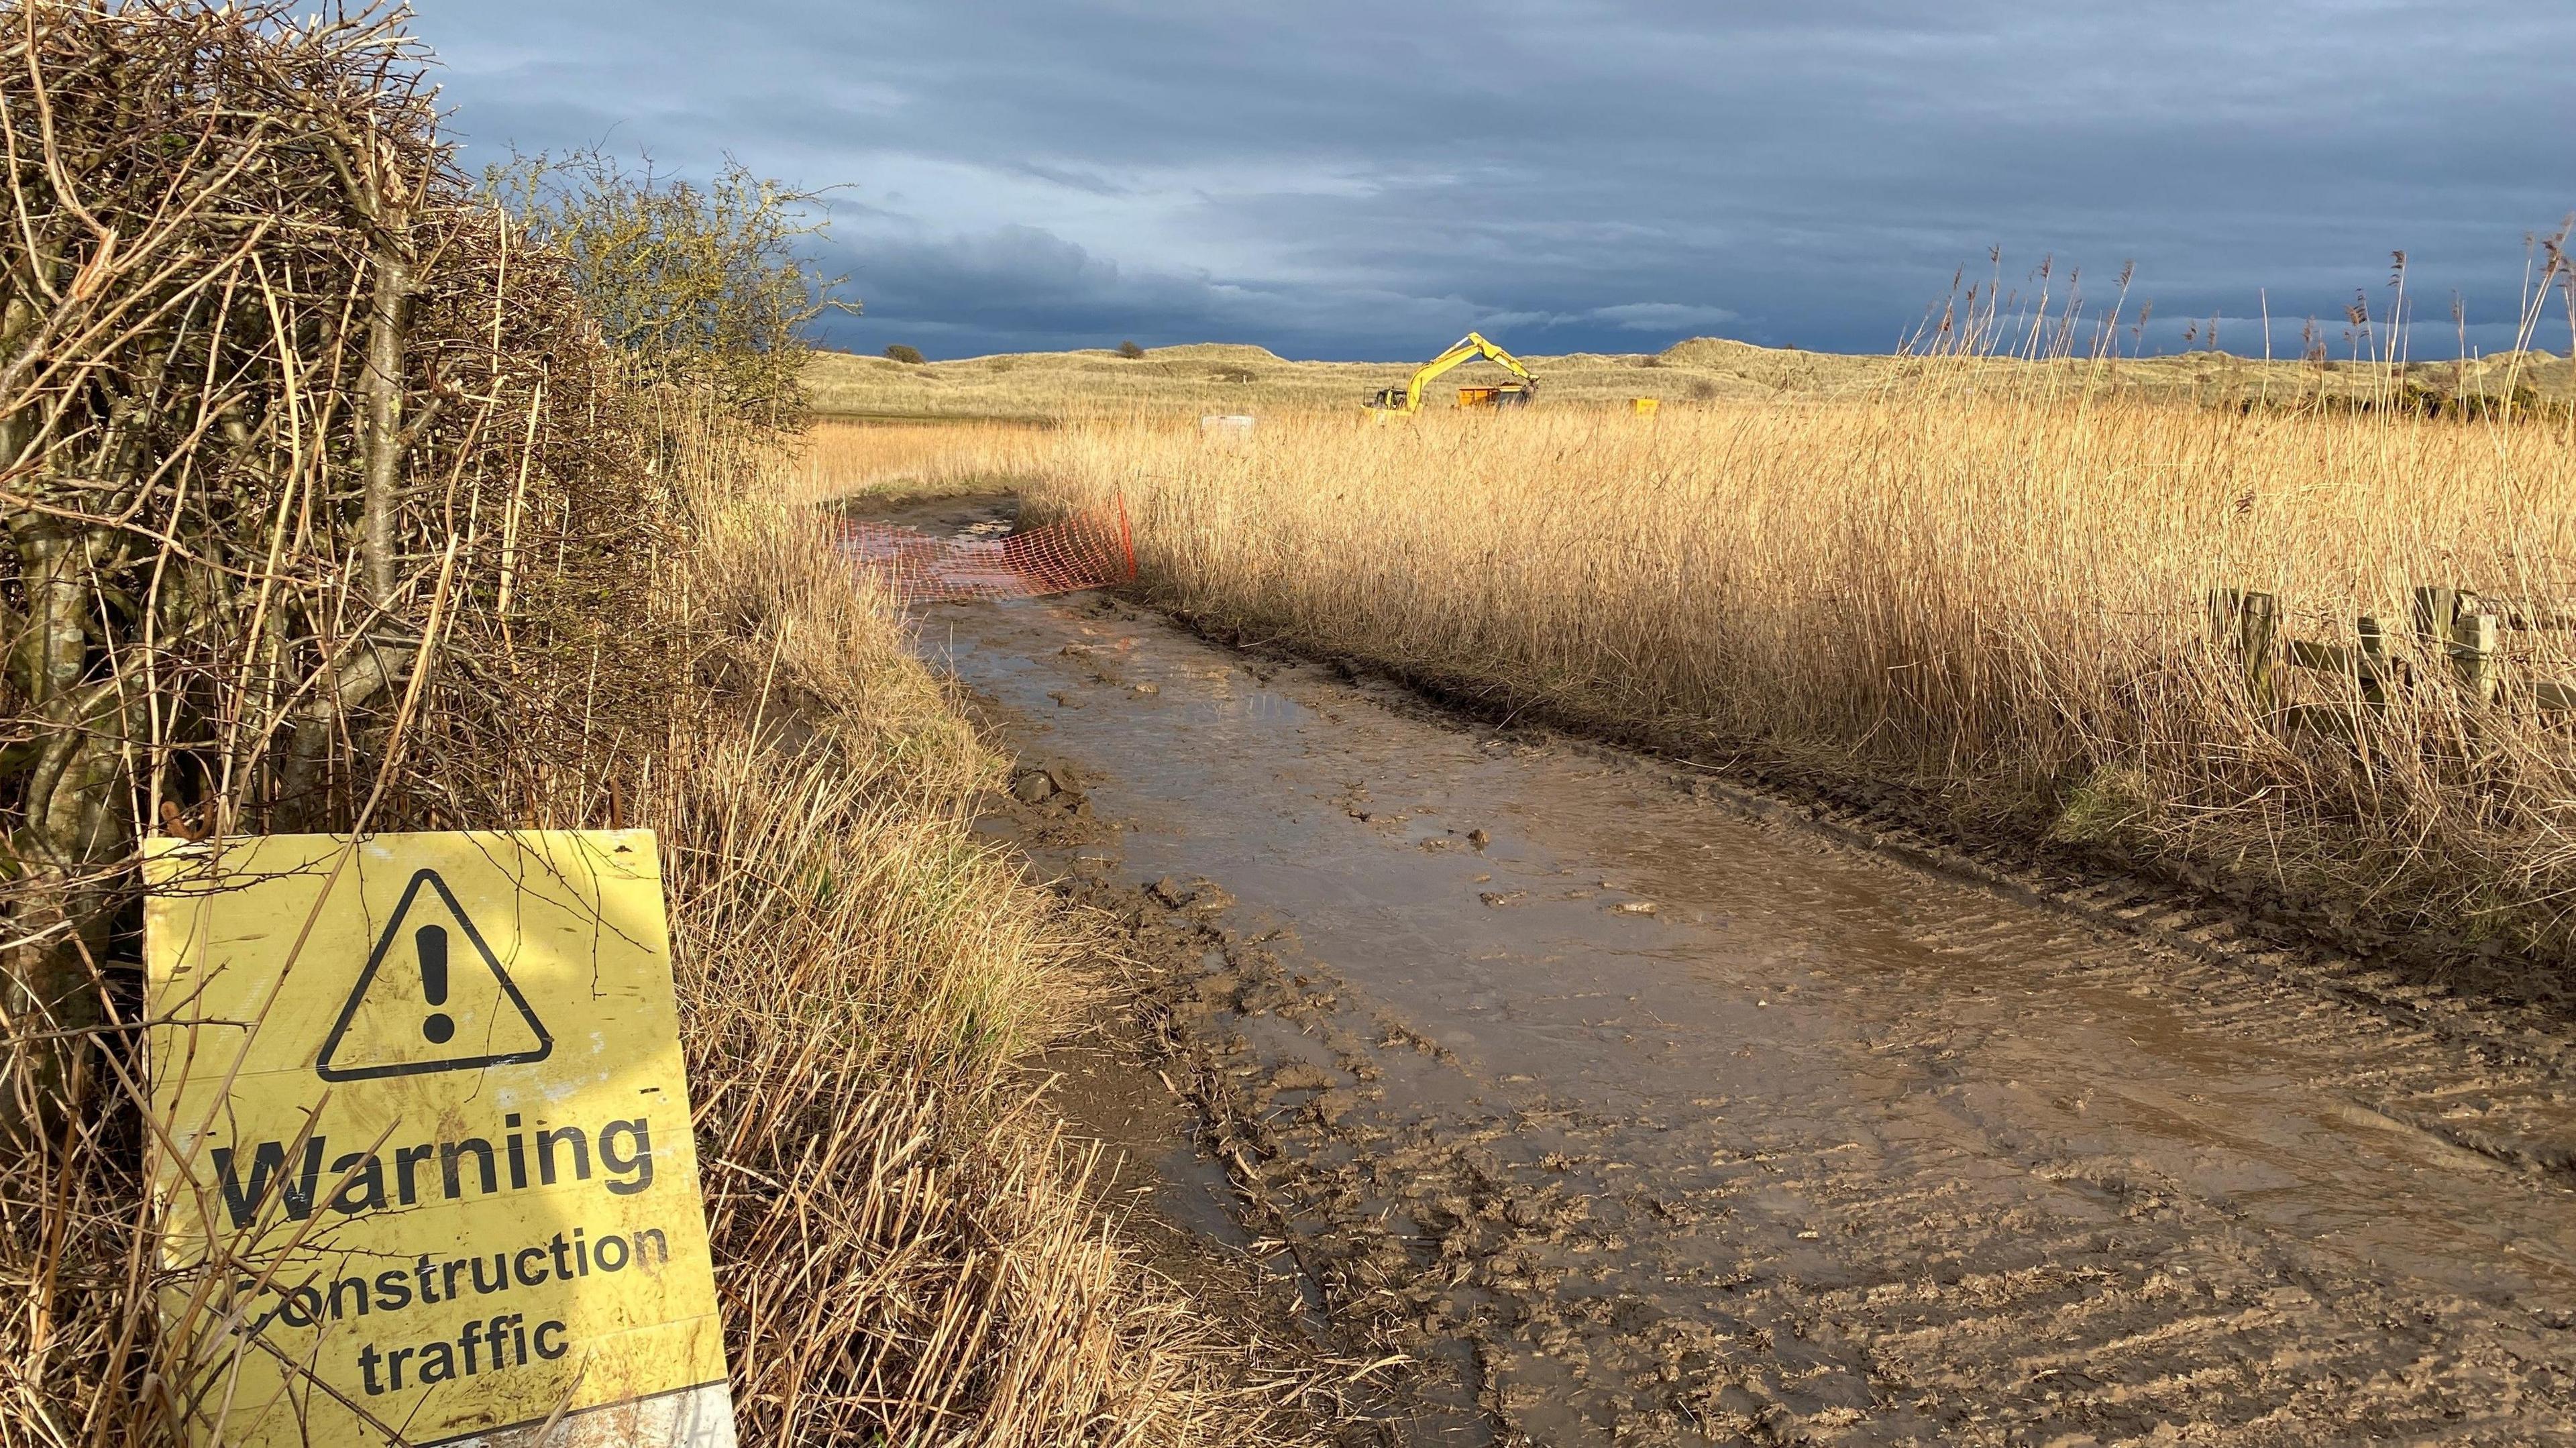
1623, 1114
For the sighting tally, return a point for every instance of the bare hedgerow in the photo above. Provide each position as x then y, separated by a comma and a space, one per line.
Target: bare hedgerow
311, 474
325, 506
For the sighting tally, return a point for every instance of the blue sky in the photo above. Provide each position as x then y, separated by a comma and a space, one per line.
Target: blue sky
1336, 179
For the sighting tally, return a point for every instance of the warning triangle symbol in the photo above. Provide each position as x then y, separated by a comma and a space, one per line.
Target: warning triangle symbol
432, 998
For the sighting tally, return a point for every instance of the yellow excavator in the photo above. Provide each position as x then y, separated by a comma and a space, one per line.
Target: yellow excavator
1406, 400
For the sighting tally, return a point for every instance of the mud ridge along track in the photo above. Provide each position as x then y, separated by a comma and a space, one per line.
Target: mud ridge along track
1628, 1117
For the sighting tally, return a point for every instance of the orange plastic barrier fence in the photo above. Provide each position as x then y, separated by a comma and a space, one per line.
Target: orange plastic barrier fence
1091, 549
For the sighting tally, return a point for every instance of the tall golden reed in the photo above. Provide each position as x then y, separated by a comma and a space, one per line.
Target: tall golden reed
2000, 594
834, 460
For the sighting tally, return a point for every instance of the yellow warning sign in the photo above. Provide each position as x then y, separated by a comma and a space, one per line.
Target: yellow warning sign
424, 1162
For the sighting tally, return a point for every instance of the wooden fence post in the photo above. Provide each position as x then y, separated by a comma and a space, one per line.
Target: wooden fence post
2475, 642
2257, 628
2246, 626
2377, 667
2435, 608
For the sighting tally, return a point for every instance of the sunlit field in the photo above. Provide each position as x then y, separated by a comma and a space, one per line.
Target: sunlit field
1218, 378
2005, 603
905, 459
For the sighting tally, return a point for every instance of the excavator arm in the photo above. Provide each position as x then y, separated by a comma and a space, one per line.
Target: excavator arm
1468, 349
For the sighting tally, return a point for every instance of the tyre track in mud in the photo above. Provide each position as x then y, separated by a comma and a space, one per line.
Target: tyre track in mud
1634, 1119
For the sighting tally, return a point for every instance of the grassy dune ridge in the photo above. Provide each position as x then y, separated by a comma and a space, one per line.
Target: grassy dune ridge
1998, 604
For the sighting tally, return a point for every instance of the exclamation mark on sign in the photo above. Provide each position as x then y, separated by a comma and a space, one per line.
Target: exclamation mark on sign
431, 941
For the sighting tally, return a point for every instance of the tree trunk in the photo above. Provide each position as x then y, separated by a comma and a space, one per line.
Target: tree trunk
381, 385
75, 834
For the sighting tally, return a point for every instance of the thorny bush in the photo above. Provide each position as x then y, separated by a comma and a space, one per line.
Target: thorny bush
313, 473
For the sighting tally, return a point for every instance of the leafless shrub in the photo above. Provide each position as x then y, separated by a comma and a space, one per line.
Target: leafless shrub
312, 474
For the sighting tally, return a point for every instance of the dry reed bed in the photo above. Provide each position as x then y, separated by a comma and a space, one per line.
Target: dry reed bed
834, 460
1946, 590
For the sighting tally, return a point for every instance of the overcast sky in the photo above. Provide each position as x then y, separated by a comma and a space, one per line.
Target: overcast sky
1367, 180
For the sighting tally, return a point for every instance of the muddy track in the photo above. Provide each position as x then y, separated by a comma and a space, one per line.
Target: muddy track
1629, 1114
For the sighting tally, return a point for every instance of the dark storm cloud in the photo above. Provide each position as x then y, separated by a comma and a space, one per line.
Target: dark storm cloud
1349, 179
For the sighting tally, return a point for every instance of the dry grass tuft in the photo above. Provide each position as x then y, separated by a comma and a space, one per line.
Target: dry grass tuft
905, 1251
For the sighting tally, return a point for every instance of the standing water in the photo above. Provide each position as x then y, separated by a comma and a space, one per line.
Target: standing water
1650, 1122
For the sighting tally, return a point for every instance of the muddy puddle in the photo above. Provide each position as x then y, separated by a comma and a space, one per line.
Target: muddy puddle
1628, 1118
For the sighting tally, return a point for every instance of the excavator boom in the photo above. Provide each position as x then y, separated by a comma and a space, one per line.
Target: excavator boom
1467, 349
